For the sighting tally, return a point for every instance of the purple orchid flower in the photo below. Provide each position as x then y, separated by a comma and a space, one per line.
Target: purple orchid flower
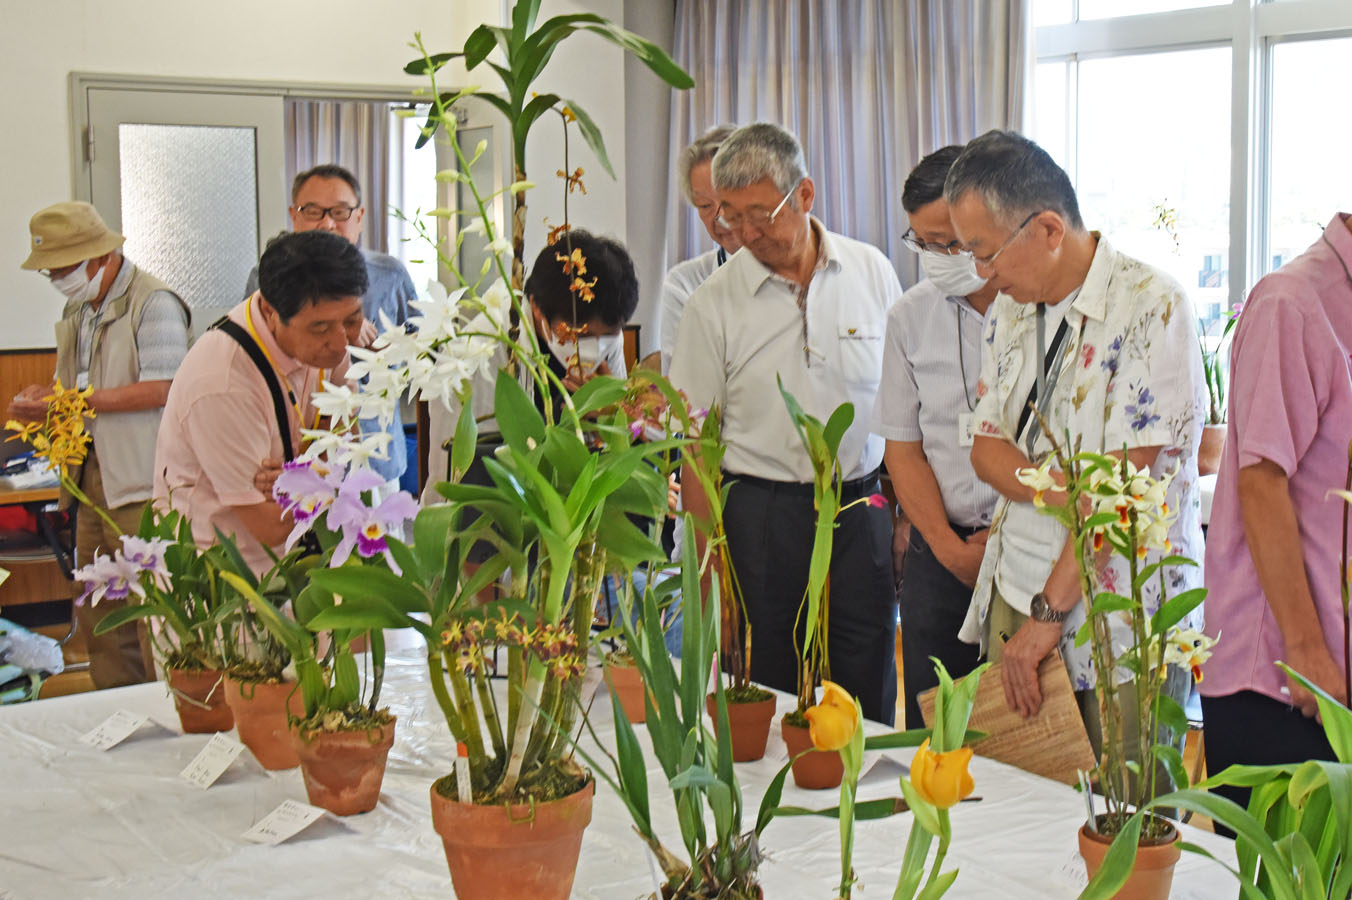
113, 577
304, 490
148, 556
365, 527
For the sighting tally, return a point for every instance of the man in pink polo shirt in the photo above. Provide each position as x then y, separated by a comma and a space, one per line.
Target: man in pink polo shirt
1275, 539
239, 381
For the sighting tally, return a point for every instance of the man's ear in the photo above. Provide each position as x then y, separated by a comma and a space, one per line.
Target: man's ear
1051, 228
271, 317
807, 192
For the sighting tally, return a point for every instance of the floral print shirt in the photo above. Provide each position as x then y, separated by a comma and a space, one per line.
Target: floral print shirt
1130, 376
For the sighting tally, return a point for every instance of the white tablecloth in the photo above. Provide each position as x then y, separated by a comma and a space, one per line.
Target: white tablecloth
76, 822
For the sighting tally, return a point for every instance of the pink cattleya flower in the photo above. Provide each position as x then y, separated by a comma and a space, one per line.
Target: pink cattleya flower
365, 527
112, 577
304, 490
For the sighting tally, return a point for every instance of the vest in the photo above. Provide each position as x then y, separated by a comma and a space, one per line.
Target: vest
125, 441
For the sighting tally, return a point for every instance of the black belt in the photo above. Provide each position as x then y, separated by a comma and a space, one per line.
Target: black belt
966, 531
850, 490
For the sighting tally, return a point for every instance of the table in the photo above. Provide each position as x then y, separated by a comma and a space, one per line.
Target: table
120, 824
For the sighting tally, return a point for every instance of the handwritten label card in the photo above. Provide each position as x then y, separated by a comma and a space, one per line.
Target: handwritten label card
1071, 871
114, 730
214, 759
283, 822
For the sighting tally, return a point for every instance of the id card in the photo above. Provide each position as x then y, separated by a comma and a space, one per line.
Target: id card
966, 429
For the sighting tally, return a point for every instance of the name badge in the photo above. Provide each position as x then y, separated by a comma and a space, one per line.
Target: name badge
966, 429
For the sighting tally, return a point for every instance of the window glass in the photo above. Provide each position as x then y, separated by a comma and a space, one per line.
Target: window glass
1051, 112
1153, 163
1107, 9
1052, 12
1310, 134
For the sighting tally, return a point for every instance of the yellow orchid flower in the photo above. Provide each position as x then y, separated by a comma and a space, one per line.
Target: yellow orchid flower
942, 778
832, 722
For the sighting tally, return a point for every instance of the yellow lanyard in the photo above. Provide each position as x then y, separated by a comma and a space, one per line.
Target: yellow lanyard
290, 391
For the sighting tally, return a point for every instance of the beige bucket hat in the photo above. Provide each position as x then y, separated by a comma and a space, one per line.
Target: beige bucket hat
67, 233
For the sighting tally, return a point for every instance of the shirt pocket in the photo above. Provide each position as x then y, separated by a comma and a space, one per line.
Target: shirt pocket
861, 352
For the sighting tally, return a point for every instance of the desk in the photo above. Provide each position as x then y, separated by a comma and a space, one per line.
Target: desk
120, 824
15, 496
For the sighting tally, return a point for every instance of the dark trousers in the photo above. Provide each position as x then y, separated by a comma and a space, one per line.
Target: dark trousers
933, 606
1249, 728
770, 529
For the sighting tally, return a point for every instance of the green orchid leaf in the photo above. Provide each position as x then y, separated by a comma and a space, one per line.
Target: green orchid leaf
1176, 609
592, 135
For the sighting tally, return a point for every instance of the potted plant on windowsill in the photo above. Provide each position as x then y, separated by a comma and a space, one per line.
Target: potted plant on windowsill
813, 768
1112, 508
1212, 447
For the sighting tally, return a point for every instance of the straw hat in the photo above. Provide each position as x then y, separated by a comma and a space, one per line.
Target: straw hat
69, 233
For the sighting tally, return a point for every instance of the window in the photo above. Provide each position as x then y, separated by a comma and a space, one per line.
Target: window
1199, 133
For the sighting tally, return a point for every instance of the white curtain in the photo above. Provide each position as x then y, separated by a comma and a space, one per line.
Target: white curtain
355, 134
868, 87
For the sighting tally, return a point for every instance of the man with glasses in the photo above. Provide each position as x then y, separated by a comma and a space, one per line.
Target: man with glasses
925, 410
1103, 347
694, 174
809, 307
123, 333
328, 198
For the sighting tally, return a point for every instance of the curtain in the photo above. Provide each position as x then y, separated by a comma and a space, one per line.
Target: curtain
355, 134
868, 87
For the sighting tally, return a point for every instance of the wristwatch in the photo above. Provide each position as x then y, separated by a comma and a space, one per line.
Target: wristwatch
1041, 611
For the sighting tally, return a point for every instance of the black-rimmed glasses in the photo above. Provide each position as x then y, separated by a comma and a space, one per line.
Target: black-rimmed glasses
313, 212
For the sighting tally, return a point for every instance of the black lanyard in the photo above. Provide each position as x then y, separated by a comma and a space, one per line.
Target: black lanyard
1046, 381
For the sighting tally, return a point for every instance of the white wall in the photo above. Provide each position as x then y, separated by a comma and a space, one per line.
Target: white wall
338, 42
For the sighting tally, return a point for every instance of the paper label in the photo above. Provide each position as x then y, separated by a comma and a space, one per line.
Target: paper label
1072, 871
214, 759
966, 429
283, 822
114, 730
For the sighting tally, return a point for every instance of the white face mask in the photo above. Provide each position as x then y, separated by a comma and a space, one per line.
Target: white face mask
587, 353
955, 274
77, 285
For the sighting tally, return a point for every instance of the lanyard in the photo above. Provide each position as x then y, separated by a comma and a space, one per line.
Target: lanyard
962, 363
1048, 373
290, 391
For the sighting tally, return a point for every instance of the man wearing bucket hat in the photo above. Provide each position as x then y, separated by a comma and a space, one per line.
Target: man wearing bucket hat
123, 333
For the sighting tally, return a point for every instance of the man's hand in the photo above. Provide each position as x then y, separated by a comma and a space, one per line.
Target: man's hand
1317, 665
577, 376
28, 404
267, 476
1023, 652
963, 557
367, 335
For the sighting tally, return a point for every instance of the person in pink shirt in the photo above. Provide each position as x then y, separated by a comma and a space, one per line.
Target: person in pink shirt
252, 373
1275, 540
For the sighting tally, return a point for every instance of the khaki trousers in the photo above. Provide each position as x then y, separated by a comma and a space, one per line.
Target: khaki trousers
1005, 620
123, 655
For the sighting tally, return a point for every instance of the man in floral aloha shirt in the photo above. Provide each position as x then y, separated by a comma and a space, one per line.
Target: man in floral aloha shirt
1120, 369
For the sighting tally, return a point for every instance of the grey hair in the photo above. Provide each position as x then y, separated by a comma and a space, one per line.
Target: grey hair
757, 152
1014, 178
702, 150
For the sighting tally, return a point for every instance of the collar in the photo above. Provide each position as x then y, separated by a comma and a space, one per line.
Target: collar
754, 273
1091, 297
1338, 235
285, 364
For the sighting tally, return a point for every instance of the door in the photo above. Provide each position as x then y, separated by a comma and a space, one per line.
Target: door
193, 180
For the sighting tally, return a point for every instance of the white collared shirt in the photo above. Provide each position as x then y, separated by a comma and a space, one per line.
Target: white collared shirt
931, 366
681, 281
743, 327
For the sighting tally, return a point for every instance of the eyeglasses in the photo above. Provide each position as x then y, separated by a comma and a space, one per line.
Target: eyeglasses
913, 242
756, 218
313, 212
987, 261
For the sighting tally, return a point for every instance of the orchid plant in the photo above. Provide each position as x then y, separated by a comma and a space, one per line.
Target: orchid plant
1111, 506
822, 443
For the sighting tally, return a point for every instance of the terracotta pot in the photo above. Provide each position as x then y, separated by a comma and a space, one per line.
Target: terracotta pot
1153, 872
750, 724
628, 686
261, 716
343, 769
497, 851
1211, 449
816, 770
199, 697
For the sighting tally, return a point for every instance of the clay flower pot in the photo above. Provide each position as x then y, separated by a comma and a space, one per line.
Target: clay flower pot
343, 769
199, 697
1211, 449
261, 717
1153, 873
816, 770
750, 725
497, 851
627, 684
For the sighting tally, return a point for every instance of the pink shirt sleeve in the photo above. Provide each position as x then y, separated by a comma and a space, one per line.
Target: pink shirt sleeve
230, 455
1276, 386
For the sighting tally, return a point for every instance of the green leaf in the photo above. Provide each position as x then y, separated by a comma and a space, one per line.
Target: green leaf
465, 440
926, 816
626, 542
481, 42
371, 582
124, 614
592, 135
598, 393
1337, 718
1171, 715
836, 426
1117, 863
769, 806
523, 19
419, 66
1108, 602
1176, 609
1173, 762
632, 767
364, 614
346, 681
653, 56
518, 419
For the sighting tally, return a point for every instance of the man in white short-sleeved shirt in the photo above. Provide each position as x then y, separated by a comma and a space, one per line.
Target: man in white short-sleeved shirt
925, 410
809, 307
694, 174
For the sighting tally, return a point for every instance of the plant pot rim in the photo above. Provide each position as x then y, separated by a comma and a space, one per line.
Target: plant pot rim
310, 734
1102, 837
